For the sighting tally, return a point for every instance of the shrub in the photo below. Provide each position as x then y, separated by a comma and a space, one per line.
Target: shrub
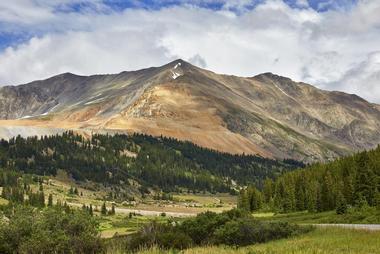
49, 231
175, 240
246, 231
164, 236
201, 228
234, 227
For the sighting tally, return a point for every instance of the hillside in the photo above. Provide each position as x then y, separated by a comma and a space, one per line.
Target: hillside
352, 181
137, 162
268, 115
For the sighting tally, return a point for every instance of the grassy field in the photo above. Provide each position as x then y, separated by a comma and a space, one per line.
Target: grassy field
207, 200
120, 224
183, 203
365, 216
320, 241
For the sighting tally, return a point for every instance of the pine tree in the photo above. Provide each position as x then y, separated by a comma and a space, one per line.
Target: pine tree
341, 204
50, 200
361, 202
268, 190
41, 199
377, 199
112, 212
254, 199
66, 207
327, 193
365, 185
103, 210
243, 202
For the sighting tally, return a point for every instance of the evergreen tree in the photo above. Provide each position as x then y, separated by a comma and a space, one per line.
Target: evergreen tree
50, 200
327, 193
90, 211
341, 204
103, 210
112, 212
268, 190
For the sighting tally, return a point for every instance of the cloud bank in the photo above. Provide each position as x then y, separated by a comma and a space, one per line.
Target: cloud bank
337, 49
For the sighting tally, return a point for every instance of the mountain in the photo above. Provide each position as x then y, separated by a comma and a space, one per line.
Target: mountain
267, 114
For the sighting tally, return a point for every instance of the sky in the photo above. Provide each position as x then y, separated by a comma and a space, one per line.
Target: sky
332, 44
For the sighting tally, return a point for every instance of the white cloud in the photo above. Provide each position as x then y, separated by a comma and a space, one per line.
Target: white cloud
337, 49
363, 78
302, 3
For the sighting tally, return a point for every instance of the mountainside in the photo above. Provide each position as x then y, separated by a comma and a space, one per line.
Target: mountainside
267, 114
120, 159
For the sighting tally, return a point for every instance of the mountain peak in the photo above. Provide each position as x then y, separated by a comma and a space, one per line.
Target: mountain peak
179, 62
274, 116
272, 76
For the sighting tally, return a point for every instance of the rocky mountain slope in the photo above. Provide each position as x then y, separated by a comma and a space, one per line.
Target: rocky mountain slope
267, 114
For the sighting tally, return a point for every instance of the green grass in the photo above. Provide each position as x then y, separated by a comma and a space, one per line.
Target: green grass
3, 201
353, 216
122, 224
320, 241
263, 215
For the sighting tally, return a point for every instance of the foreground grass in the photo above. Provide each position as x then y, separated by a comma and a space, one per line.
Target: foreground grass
321, 241
369, 215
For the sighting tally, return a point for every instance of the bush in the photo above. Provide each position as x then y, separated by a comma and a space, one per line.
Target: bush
164, 236
201, 228
49, 231
175, 240
246, 231
234, 227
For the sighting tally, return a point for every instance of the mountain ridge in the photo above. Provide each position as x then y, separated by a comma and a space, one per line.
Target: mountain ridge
266, 114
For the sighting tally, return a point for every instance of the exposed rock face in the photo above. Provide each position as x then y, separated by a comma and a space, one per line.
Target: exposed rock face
266, 114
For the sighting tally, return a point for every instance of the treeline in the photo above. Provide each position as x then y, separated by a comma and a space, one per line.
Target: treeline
115, 159
350, 181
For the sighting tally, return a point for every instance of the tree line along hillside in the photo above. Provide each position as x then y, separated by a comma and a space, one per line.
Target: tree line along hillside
352, 181
115, 159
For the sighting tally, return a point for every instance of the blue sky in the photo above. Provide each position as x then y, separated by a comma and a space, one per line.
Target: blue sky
333, 44
119, 5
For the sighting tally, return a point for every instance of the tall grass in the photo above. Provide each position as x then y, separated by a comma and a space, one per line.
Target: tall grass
320, 241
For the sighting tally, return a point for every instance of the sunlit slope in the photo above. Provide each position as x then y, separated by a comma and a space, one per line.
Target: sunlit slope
267, 114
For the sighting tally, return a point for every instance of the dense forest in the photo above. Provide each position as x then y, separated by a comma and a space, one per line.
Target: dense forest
166, 163
353, 181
